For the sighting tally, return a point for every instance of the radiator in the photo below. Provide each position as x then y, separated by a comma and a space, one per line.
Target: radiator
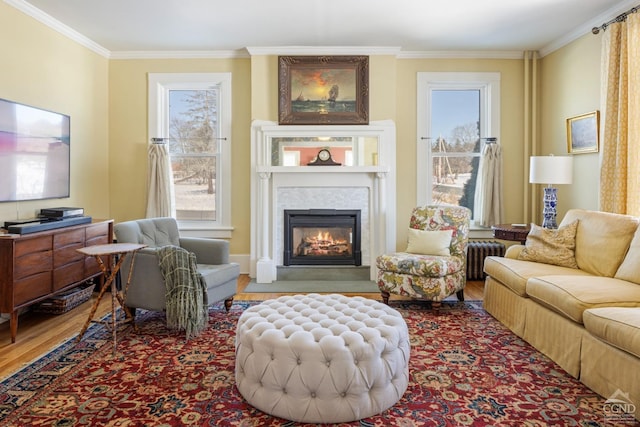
477, 251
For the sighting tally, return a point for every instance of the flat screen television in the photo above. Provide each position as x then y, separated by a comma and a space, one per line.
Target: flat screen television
34, 153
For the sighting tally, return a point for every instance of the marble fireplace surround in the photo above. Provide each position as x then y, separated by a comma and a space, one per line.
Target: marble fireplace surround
371, 189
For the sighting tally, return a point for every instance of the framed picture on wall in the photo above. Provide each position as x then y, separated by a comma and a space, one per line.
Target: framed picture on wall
328, 90
583, 133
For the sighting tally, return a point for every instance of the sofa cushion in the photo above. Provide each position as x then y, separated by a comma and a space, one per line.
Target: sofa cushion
572, 295
554, 247
514, 273
602, 239
629, 270
618, 326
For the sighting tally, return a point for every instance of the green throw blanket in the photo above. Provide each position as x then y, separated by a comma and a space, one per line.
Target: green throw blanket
186, 291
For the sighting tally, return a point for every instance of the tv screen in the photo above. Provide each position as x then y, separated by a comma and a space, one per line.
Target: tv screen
34, 153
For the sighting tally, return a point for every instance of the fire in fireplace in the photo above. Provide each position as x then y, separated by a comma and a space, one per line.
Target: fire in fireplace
322, 237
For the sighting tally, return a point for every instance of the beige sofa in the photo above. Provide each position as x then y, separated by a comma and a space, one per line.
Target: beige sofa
587, 319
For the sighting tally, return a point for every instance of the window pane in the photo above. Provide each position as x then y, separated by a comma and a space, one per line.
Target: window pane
454, 180
455, 117
193, 116
194, 180
193, 145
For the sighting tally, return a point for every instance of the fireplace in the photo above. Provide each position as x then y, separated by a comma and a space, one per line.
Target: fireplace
322, 237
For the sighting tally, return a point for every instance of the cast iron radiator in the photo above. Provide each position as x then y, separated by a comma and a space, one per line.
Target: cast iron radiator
477, 251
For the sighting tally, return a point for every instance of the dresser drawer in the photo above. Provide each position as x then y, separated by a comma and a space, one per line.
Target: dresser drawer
29, 245
97, 234
75, 237
32, 287
67, 255
32, 263
70, 273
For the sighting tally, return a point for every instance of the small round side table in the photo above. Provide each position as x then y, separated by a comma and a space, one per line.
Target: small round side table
512, 232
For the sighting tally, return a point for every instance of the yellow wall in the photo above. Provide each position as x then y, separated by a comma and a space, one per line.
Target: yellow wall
570, 86
42, 68
128, 96
511, 132
107, 101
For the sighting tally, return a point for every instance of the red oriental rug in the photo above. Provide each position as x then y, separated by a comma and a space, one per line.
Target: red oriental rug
466, 370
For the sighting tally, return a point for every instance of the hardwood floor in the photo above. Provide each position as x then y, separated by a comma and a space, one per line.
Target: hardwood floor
38, 333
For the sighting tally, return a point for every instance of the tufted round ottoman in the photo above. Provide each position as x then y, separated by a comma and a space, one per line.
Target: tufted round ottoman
322, 358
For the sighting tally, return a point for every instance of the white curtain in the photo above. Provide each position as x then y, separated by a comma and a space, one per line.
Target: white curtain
160, 186
488, 198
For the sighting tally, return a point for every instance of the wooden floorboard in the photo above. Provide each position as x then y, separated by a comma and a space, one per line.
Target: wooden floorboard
39, 333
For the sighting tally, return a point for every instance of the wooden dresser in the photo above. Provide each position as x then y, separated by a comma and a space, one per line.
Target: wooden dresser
38, 265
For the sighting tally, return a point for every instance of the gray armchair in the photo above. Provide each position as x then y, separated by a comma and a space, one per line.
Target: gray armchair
147, 287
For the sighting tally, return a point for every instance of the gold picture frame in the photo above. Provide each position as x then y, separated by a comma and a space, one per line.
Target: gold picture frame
583, 133
328, 90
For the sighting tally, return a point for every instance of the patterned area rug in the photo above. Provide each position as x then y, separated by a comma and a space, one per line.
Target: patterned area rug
466, 370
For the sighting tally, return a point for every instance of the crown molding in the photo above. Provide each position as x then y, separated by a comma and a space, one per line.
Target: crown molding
324, 50
587, 26
58, 26
462, 54
182, 54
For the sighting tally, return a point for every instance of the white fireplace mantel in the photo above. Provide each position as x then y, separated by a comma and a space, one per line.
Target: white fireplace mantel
370, 188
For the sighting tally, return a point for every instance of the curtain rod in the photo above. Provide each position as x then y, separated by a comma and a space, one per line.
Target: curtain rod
165, 140
620, 18
489, 139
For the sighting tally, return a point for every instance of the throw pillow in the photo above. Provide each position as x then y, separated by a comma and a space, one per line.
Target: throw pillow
427, 242
549, 246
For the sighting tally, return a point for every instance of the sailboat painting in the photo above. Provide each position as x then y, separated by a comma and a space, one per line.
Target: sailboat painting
323, 90
317, 90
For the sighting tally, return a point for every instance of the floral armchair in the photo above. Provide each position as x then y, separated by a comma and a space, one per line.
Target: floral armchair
434, 264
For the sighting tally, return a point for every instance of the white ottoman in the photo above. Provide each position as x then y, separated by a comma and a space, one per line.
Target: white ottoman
322, 358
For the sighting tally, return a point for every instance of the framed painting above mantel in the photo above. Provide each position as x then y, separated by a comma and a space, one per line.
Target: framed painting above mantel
316, 90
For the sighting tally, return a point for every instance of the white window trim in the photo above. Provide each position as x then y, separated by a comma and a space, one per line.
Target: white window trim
489, 86
159, 86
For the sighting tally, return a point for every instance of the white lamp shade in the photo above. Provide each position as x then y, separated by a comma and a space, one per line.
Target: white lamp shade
551, 170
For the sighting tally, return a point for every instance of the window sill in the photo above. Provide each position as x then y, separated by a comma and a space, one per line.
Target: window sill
214, 232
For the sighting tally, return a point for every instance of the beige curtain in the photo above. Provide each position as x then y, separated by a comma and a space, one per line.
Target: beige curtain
488, 197
160, 187
620, 169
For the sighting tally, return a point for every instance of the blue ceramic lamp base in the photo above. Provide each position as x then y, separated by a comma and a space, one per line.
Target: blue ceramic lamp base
549, 211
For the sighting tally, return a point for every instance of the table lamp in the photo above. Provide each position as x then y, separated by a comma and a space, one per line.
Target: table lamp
550, 170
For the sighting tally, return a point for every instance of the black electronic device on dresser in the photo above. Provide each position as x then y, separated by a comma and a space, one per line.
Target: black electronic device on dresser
62, 212
49, 219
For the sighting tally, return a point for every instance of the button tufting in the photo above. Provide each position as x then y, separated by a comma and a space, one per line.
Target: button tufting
294, 328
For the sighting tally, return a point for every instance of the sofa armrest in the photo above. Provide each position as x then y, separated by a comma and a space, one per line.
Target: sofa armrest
513, 251
207, 251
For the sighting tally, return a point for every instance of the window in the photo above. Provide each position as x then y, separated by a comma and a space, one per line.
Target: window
192, 112
456, 113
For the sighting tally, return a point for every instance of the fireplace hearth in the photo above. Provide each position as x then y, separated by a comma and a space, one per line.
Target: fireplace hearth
322, 237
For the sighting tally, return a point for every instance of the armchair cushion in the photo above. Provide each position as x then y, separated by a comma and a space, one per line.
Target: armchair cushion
420, 265
429, 242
